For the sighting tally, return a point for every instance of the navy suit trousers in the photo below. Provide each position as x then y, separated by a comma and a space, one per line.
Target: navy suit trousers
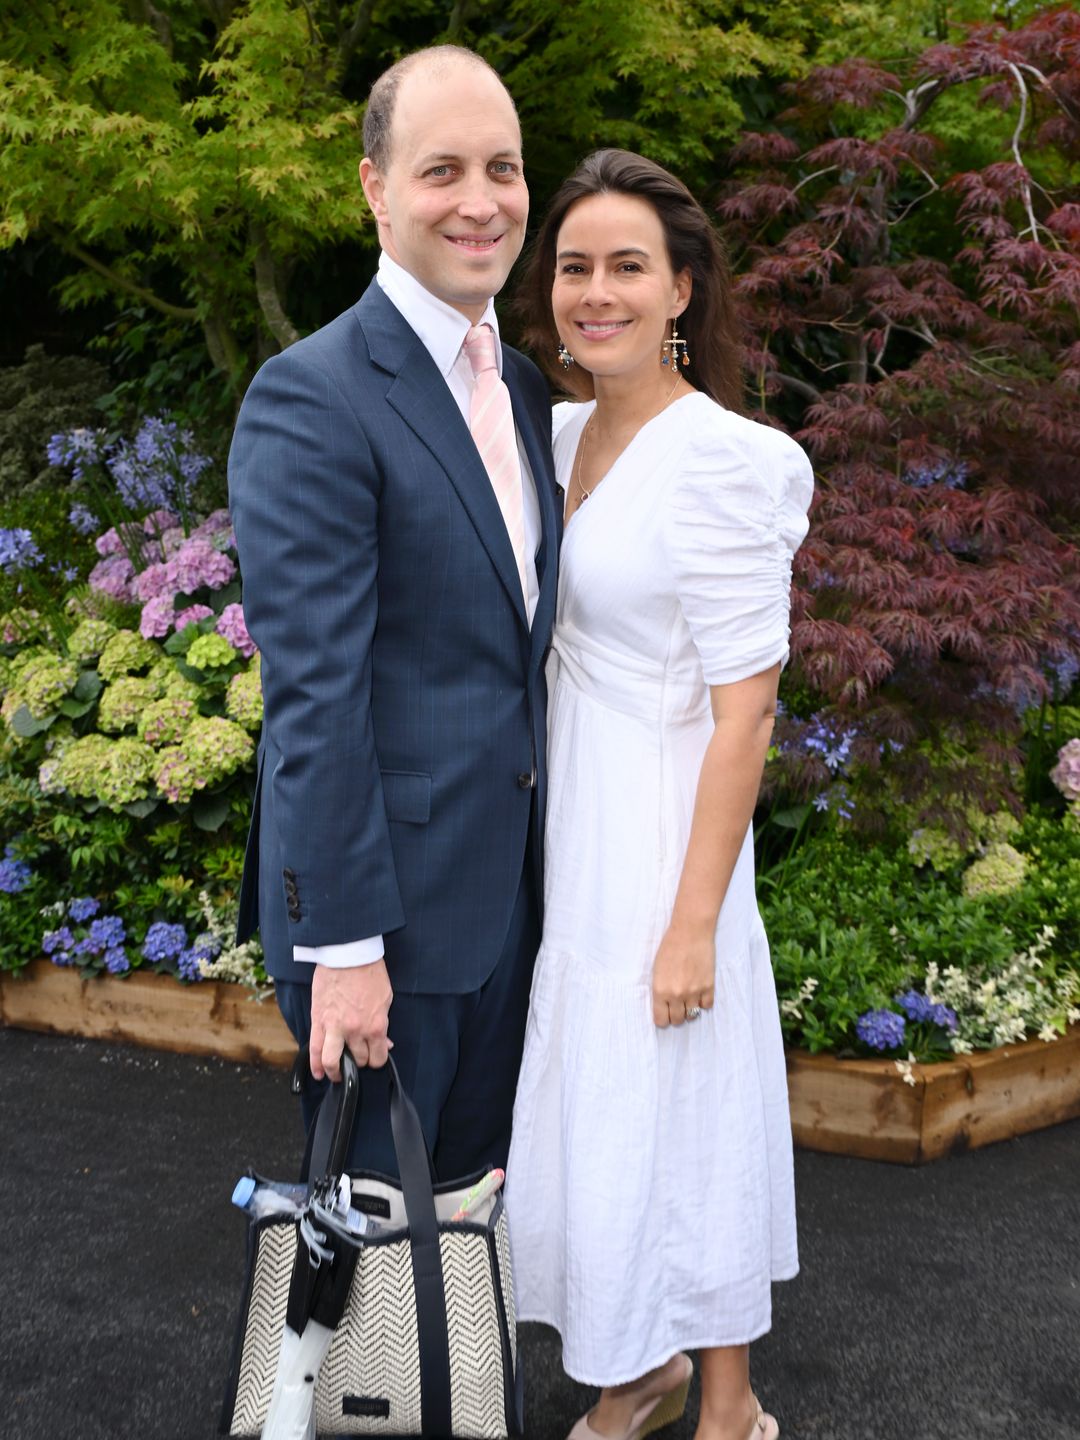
458, 1057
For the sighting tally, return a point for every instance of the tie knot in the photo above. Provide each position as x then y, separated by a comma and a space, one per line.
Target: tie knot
480, 348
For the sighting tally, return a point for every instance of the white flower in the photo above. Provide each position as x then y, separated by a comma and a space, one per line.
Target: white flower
904, 1067
1048, 1033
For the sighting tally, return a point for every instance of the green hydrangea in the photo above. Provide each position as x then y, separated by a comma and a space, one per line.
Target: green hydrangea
169, 681
80, 764
124, 701
999, 827
126, 773
211, 749
126, 653
44, 682
998, 872
244, 700
165, 721
114, 772
935, 847
210, 652
89, 638
218, 746
19, 625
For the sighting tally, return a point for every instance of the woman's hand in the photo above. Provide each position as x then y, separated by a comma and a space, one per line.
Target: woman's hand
683, 973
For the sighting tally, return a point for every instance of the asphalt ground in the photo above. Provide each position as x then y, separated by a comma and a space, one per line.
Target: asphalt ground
934, 1304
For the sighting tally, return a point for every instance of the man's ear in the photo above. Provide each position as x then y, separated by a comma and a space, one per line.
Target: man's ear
374, 190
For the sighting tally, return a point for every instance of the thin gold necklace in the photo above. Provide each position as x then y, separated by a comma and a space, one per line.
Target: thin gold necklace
584, 494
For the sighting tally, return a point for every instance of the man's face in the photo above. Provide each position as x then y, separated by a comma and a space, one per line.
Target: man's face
451, 204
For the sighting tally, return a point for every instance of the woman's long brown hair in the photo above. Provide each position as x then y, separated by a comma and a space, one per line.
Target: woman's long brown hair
708, 324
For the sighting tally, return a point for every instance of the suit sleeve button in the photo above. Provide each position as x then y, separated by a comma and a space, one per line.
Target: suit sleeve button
526, 780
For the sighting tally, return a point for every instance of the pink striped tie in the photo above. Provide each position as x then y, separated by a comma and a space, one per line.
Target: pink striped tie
491, 422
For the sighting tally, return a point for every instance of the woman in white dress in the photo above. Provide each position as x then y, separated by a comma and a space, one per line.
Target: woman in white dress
650, 1174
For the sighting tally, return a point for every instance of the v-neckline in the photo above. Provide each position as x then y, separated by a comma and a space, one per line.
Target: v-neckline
569, 524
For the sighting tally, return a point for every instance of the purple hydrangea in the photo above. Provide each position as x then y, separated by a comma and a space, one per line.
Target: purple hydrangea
191, 616
110, 542
943, 470
82, 520
164, 942
189, 961
82, 909
198, 563
113, 576
116, 961
153, 582
58, 945
18, 550
107, 933
14, 874
156, 619
881, 1029
232, 625
921, 1010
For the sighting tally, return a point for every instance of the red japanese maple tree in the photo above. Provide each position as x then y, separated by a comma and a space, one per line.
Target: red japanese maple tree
918, 327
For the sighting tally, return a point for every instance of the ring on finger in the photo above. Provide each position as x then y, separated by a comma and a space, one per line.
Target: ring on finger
693, 1012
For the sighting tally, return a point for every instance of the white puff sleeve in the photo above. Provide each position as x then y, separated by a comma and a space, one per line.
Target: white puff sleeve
737, 514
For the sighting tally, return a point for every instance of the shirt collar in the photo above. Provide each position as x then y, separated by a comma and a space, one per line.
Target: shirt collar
440, 328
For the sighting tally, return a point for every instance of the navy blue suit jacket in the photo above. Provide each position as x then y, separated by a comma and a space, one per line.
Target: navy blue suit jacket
402, 761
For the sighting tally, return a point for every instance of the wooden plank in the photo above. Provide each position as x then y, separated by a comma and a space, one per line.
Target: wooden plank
208, 1018
864, 1108
854, 1107
1002, 1093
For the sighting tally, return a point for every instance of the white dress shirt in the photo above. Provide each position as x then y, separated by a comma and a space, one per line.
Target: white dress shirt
442, 331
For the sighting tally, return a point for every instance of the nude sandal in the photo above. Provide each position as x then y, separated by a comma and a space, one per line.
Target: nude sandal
652, 1414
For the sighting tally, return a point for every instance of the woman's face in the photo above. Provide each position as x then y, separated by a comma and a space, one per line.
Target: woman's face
614, 292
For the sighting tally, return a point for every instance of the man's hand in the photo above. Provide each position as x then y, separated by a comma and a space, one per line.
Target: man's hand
349, 1007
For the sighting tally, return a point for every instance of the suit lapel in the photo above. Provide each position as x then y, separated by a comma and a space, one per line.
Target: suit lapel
537, 442
422, 398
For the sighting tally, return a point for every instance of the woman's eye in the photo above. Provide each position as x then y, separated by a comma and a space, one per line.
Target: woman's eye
572, 270
632, 266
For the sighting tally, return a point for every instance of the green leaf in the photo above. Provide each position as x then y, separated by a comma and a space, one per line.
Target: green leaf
229, 596
74, 708
791, 819
180, 640
141, 808
87, 688
24, 724
210, 811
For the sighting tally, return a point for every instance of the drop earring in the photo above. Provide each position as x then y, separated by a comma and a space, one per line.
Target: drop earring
565, 358
674, 349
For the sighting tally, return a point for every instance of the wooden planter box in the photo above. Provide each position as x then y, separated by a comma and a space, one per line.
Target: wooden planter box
208, 1018
864, 1107
844, 1107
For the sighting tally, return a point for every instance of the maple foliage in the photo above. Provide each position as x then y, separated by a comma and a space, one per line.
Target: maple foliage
936, 387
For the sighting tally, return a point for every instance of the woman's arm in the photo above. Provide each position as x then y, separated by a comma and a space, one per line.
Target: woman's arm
727, 791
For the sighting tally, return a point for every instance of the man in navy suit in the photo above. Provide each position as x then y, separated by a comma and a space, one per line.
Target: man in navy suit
394, 857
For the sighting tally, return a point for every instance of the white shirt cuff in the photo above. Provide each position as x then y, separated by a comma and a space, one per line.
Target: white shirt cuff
341, 957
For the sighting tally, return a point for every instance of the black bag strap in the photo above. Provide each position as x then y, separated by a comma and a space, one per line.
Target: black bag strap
328, 1151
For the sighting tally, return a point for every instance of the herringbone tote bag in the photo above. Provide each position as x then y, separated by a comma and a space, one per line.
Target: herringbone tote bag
427, 1341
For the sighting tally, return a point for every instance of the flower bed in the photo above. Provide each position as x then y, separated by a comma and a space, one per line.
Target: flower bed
876, 1111
211, 1018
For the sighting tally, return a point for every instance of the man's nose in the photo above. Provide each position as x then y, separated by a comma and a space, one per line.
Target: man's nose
479, 202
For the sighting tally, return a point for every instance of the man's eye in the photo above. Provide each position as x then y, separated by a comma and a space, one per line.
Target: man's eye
503, 167
439, 172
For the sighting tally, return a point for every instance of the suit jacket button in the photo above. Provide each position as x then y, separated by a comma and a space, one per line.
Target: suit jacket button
526, 781
294, 912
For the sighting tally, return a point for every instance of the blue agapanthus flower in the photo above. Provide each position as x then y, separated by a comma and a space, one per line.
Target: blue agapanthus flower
158, 470
15, 875
921, 1010
18, 550
164, 942
82, 519
82, 909
77, 450
881, 1029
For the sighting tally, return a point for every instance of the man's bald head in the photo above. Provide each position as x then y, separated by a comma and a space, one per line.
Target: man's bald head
435, 63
